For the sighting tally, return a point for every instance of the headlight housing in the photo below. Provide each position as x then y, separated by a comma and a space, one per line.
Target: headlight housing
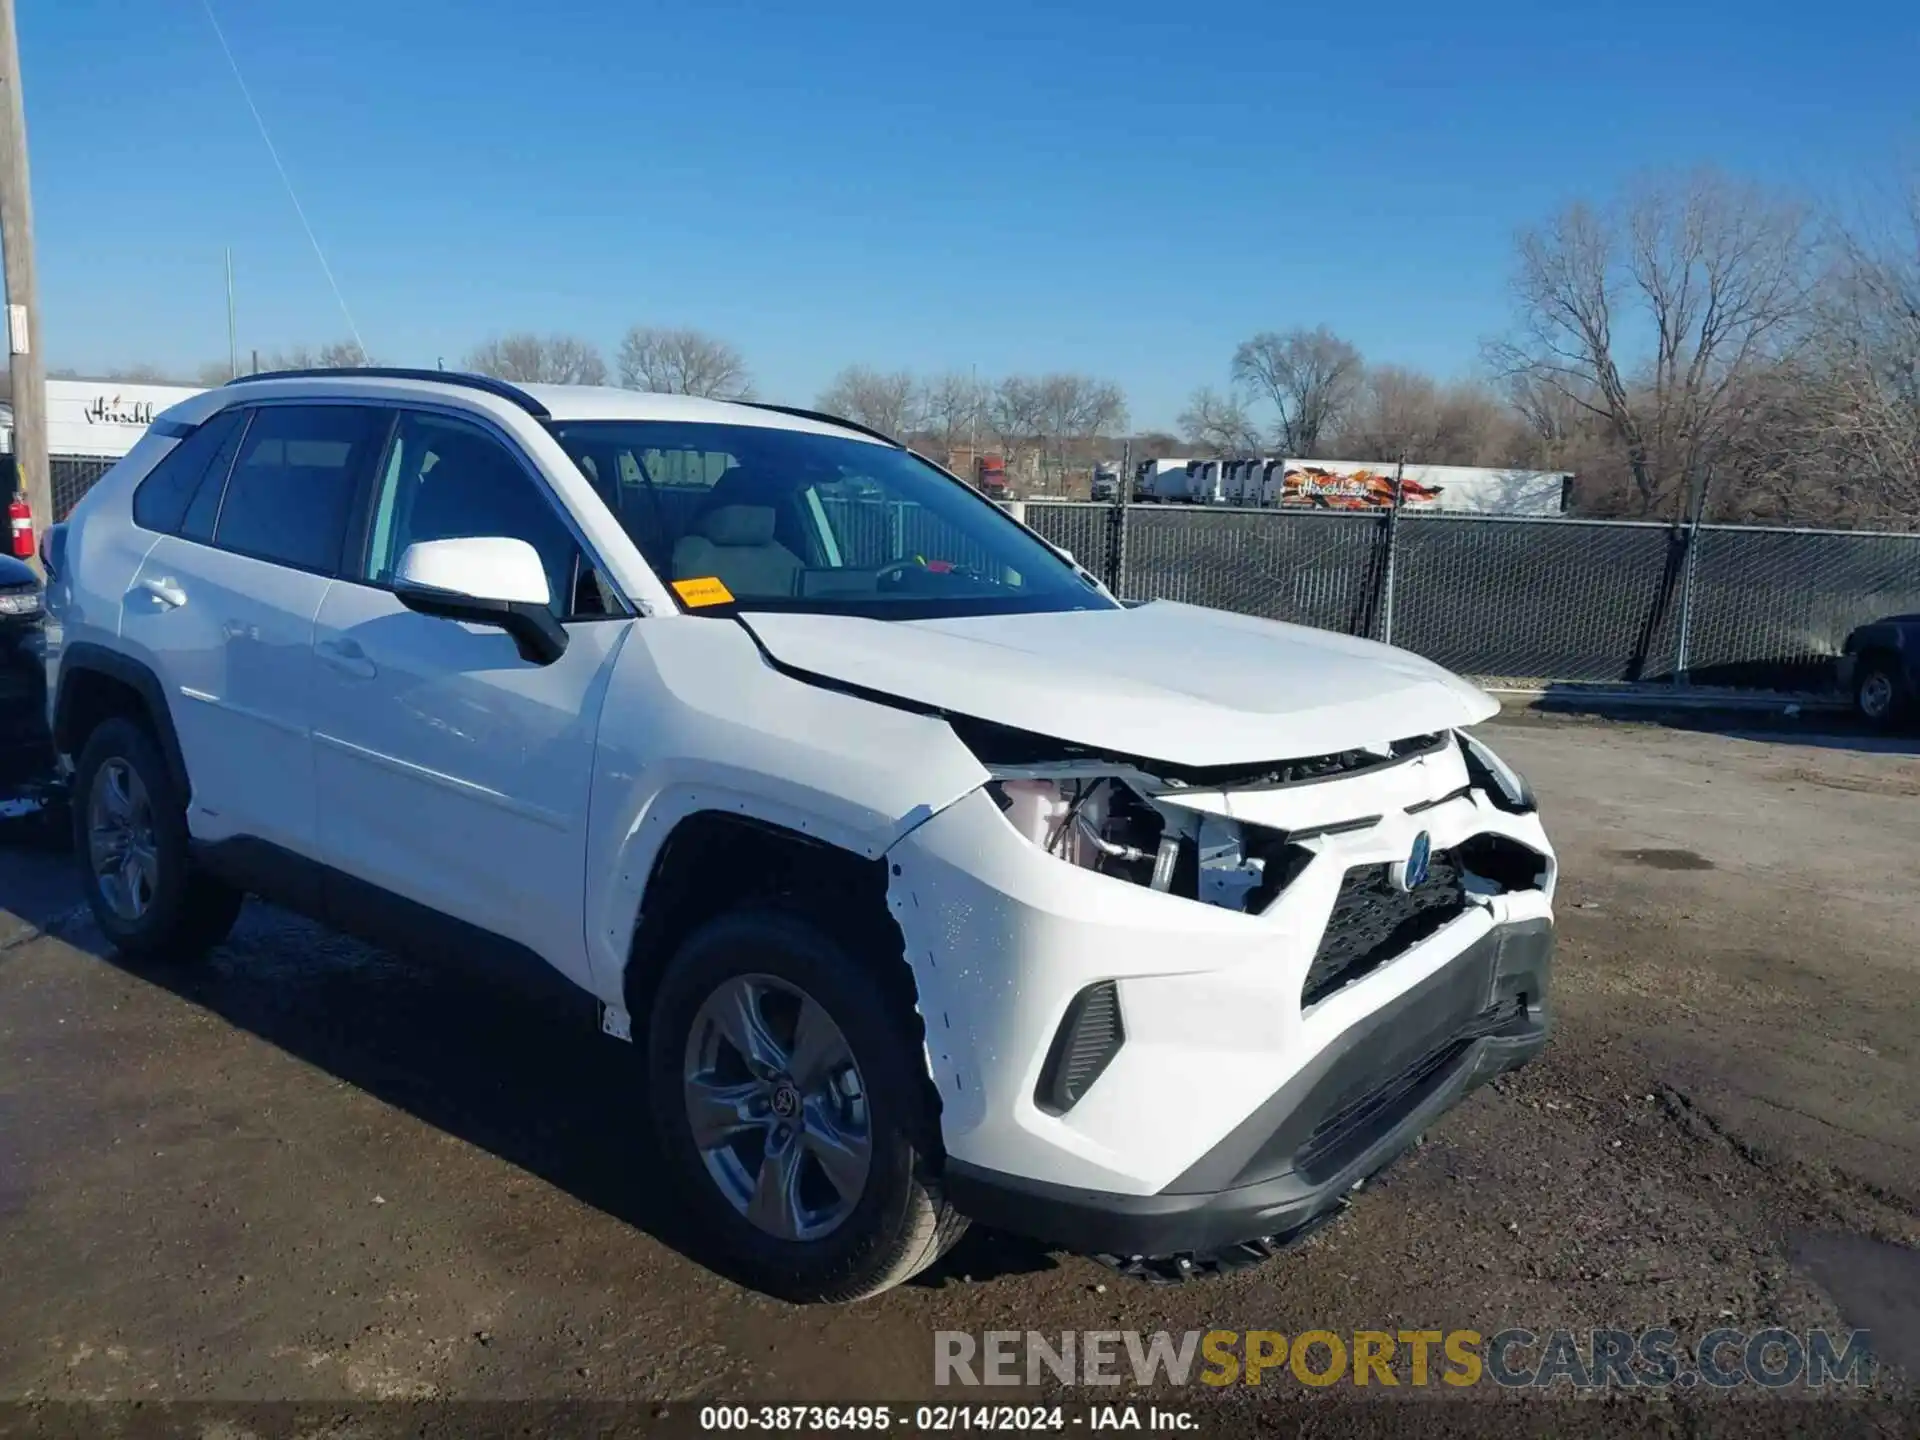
1505, 786
1112, 823
1097, 822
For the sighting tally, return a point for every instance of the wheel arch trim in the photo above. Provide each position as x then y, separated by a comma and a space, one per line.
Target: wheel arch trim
86, 657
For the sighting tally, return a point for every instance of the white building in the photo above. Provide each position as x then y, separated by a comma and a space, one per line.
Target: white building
90, 424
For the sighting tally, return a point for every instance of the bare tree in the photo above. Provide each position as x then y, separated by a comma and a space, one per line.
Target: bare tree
1308, 376
1400, 412
1069, 412
954, 409
294, 357
343, 355
682, 362
1013, 412
531, 359
337, 355
887, 401
204, 376
1218, 424
1869, 359
1655, 312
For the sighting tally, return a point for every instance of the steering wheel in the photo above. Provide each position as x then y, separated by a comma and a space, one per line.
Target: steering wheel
893, 570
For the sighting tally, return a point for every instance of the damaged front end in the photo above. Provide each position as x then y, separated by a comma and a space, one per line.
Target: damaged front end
1177, 1013
1207, 833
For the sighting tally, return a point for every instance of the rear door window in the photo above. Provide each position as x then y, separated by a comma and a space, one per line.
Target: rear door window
292, 489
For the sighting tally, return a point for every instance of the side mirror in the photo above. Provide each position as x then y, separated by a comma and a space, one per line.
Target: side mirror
485, 580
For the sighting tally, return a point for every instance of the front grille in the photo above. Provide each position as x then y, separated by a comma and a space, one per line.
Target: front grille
1373, 921
1355, 1126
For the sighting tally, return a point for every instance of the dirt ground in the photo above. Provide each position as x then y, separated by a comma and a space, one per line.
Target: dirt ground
311, 1171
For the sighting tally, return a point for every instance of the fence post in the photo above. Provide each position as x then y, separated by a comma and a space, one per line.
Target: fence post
1117, 523
1392, 535
1689, 562
1689, 559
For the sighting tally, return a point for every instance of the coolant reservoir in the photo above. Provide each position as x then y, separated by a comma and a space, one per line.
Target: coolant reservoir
1035, 808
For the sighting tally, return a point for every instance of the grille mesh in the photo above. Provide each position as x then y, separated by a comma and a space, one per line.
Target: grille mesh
1373, 921
1088, 1038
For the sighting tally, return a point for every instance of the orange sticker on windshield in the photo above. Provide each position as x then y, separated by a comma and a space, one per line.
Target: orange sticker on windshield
705, 591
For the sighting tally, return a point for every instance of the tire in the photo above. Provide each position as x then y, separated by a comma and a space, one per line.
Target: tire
821, 1244
1876, 694
170, 910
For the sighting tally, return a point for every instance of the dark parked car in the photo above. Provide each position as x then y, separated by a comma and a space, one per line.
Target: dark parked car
24, 750
1880, 667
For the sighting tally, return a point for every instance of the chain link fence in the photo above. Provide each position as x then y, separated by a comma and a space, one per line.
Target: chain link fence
1508, 598
72, 476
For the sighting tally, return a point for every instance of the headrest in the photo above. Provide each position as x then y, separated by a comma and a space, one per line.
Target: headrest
738, 524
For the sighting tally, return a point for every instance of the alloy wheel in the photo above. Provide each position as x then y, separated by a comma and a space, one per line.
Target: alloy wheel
120, 840
777, 1107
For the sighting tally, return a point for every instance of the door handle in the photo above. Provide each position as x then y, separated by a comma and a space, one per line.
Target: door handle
165, 591
346, 656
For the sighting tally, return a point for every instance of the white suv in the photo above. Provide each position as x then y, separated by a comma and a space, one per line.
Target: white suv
934, 881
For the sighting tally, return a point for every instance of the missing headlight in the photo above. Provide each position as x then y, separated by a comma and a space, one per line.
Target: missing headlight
1505, 786
1096, 823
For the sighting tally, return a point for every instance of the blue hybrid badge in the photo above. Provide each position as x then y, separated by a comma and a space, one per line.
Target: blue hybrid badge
1411, 873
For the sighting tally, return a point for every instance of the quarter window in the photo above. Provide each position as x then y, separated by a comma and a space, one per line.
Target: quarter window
163, 497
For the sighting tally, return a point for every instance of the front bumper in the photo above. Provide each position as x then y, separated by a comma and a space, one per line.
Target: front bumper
1221, 1030
1344, 1118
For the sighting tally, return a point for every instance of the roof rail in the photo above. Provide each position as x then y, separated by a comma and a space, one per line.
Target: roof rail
825, 419
463, 378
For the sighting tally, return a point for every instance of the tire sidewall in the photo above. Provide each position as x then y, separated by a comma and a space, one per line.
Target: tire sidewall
1892, 712
127, 741
788, 948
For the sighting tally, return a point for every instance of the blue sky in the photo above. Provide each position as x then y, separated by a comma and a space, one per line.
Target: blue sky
1120, 188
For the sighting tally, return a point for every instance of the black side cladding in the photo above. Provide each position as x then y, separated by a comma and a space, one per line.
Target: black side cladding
1090, 1035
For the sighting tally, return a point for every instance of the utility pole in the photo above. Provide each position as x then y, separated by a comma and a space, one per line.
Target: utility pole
26, 366
233, 344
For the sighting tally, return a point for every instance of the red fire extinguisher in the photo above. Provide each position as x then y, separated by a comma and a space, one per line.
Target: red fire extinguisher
20, 522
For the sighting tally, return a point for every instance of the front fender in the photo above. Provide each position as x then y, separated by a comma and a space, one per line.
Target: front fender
696, 720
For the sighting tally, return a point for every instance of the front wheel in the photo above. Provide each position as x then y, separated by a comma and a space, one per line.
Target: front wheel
793, 1110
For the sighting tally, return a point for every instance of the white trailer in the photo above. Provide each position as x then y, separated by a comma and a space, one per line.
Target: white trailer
1242, 483
1163, 480
1425, 489
1273, 475
1209, 483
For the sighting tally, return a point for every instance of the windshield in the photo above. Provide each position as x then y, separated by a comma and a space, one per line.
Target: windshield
748, 517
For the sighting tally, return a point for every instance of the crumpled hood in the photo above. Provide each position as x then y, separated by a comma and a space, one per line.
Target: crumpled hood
1164, 681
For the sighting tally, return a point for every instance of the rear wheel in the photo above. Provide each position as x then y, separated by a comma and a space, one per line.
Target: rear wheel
130, 835
793, 1111
1876, 695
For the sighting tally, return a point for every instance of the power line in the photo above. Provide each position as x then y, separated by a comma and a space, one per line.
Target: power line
285, 179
